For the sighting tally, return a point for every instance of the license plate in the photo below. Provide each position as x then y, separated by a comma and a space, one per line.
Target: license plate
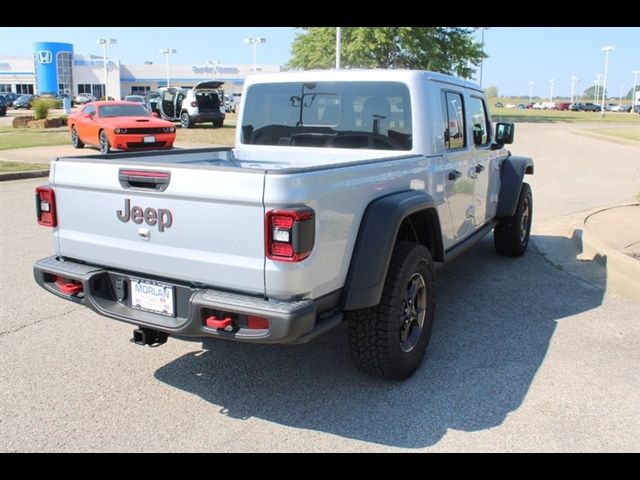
150, 139
152, 297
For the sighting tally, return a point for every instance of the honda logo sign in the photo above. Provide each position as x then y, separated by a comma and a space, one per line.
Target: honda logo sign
44, 56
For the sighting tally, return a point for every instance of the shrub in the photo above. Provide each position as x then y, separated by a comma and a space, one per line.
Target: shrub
40, 109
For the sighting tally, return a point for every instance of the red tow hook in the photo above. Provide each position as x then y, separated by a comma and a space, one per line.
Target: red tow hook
215, 322
68, 288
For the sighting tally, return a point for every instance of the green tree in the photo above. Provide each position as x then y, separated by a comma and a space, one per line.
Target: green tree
587, 96
629, 95
491, 92
449, 50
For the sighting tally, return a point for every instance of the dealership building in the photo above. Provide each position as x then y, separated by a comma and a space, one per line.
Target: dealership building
55, 68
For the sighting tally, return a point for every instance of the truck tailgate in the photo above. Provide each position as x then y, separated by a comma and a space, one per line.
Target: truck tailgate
206, 227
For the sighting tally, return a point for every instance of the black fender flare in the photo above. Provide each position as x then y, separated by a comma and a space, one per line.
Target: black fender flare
374, 245
511, 175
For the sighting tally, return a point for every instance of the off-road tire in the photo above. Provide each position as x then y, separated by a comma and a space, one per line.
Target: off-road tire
375, 333
511, 235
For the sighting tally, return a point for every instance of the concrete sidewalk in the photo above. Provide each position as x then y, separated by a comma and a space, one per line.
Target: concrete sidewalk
611, 236
617, 228
601, 247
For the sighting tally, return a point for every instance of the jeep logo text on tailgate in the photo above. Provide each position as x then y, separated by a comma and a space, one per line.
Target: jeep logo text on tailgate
162, 217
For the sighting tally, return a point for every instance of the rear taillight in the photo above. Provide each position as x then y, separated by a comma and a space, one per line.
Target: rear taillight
194, 104
46, 206
290, 234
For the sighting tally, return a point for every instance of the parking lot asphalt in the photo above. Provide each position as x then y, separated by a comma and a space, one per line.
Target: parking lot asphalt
529, 354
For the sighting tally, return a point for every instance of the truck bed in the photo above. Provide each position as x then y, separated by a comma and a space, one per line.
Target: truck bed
218, 198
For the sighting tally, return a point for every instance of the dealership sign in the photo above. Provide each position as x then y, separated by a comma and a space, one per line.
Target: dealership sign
44, 56
209, 69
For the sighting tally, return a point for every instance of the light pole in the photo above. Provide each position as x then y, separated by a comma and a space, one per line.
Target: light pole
635, 85
167, 52
482, 47
338, 46
104, 42
620, 96
597, 92
573, 85
606, 51
530, 91
254, 41
551, 83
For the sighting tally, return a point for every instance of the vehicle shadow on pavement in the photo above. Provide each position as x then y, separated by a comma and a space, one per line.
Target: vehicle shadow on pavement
494, 320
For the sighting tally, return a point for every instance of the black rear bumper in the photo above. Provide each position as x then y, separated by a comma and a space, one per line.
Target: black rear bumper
208, 116
102, 291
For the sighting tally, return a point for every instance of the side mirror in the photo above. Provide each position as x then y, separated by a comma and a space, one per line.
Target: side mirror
87, 115
504, 132
154, 114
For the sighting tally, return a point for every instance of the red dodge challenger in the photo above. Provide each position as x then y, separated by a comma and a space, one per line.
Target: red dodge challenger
119, 125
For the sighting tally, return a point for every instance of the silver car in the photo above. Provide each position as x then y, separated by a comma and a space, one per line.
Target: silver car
83, 98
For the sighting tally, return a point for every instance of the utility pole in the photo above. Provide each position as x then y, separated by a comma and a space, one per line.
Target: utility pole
338, 46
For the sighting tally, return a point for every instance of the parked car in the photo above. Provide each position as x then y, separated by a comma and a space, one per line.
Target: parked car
588, 107
621, 108
136, 99
83, 98
11, 95
9, 98
236, 101
563, 106
317, 215
229, 103
3, 106
521, 106
232, 102
636, 108
23, 101
200, 104
121, 126
499, 105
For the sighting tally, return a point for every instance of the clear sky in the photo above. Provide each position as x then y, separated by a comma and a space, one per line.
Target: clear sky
516, 55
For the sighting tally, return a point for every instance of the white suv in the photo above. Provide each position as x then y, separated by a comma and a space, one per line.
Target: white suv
199, 104
84, 98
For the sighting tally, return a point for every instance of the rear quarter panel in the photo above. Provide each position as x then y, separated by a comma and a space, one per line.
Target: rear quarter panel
339, 197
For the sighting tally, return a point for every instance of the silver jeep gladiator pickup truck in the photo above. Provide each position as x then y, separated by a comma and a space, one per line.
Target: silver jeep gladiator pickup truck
344, 192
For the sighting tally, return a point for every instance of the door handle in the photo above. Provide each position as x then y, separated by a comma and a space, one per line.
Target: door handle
454, 175
479, 168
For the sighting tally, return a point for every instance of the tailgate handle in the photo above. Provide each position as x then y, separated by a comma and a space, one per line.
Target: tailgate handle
144, 179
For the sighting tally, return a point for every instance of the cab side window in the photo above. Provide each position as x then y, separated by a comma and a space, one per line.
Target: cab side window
453, 120
480, 123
